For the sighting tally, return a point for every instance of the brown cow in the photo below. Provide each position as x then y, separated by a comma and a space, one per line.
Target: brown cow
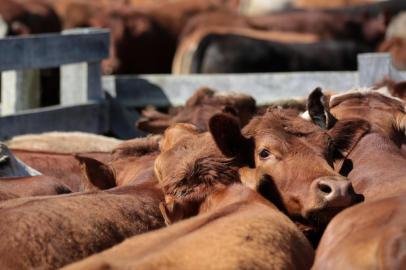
93, 220
138, 44
286, 147
129, 162
64, 167
64, 142
137, 32
385, 114
203, 104
199, 181
29, 17
132, 161
86, 223
32, 186
296, 158
378, 167
370, 235
320, 4
235, 229
375, 164
338, 26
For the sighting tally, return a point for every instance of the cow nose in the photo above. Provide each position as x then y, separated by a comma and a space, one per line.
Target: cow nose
335, 191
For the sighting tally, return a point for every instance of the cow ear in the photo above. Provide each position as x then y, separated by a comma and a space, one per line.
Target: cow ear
96, 175
346, 134
226, 132
318, 108
230, 110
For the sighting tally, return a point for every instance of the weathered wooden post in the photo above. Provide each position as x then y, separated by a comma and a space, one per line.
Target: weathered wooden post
373, 67
20, 90
81, 82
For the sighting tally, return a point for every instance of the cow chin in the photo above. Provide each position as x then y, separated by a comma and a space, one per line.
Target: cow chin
321, 217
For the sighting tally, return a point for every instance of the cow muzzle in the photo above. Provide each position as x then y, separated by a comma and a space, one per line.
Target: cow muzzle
329, 195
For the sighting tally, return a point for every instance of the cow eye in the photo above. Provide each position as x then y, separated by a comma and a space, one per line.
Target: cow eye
264, 153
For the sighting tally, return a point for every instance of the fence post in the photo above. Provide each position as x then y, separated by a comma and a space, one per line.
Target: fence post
20, 90
373, 67
80, 82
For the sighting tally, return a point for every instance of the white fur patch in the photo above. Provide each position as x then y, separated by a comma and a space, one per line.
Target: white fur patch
306, 116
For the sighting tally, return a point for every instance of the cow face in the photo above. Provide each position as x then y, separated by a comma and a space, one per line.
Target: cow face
292, 156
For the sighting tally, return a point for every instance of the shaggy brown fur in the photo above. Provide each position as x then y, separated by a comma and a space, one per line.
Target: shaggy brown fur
190, 167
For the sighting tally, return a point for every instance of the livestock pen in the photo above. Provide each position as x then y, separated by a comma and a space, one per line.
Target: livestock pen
90, 102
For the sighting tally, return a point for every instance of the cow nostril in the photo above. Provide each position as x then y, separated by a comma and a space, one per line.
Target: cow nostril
324, 188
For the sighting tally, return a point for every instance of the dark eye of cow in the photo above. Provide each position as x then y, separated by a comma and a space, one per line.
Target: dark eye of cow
264, 153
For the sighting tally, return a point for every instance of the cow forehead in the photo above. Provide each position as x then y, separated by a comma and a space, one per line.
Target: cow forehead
281, 126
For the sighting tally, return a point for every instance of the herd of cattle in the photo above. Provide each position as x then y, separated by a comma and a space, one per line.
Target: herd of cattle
212, 36
222, 184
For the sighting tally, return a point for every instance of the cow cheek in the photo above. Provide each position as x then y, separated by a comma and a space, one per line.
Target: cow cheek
292, 190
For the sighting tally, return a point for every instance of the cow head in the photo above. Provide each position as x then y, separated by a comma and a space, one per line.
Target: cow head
293, 156
189, 168
203, 104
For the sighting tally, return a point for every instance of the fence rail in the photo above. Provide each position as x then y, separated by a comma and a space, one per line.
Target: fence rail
78, 52
165, 90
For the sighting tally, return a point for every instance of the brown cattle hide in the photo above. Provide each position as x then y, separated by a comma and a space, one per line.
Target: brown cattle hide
370, 235
32, 186
237, 229
50, 232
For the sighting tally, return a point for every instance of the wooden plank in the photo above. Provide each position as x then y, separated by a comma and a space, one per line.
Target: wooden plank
165, 90
89, 117
53, 50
